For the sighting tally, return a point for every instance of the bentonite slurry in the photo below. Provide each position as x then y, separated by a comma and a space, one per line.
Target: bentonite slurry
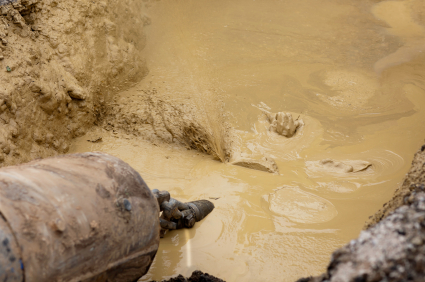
81, 217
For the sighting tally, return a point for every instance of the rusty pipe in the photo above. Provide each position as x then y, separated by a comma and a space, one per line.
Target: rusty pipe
82, 217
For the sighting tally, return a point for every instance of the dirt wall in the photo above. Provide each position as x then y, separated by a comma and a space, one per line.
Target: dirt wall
59, 61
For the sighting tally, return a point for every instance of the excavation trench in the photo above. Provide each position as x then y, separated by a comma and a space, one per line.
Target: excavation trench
219, 71
351, 70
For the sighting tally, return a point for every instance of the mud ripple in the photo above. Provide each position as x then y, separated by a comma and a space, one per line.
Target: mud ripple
299, 206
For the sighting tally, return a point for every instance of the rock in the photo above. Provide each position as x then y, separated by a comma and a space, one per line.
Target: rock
266, 164
127, 205
197, 276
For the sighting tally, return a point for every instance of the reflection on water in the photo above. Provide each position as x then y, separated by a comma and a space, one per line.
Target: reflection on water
353, 70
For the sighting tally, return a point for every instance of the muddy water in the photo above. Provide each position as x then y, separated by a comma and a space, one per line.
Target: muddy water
352, 70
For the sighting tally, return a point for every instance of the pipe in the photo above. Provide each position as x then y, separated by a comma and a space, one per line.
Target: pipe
177, 215
82, 217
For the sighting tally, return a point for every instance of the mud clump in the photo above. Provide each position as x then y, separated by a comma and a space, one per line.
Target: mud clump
58, 60
266, 164
329, 165
197, 276
284, 124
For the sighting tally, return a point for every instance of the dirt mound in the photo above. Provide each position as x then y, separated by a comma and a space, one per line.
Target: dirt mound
197, 276
58, 61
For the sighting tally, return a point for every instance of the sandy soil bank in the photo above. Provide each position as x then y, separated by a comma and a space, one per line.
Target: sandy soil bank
59, 62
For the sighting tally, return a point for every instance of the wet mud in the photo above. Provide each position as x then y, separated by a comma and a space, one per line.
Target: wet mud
391, 249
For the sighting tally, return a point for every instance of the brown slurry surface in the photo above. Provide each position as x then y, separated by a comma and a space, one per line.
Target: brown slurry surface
391, 250
414, 177
58, 62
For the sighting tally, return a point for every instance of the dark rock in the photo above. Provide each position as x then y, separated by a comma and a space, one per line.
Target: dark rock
197, 276
127, 205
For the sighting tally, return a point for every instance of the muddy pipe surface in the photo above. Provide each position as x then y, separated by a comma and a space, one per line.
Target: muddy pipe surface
80, 217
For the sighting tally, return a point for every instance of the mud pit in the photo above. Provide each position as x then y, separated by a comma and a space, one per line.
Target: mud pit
351, 70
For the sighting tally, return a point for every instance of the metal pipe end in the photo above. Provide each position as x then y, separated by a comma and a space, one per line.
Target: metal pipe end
202, 208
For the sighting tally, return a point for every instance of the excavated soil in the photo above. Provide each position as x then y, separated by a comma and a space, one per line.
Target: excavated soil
59, 62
